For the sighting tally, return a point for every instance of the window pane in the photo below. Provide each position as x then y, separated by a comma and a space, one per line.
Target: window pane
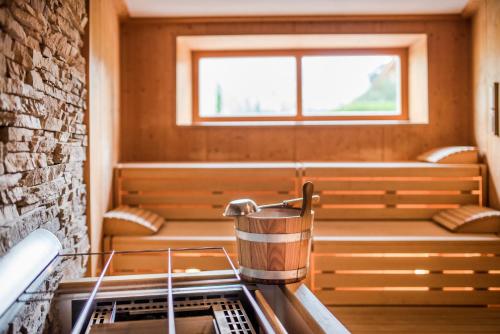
353, 85
247, 86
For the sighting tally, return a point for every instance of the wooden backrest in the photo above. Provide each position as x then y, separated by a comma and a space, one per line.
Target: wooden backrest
407, 190
349, 191
201, 191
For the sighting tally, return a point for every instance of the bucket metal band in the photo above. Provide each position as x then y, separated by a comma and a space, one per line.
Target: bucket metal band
273, 238
272, 275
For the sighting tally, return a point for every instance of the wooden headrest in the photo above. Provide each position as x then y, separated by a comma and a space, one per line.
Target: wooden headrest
451, 155
126, 220
469, 219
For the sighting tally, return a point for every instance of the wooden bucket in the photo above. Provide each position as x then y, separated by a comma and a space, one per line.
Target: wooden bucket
274, 244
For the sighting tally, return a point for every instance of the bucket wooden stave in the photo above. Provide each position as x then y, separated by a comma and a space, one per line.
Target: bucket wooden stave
274, 245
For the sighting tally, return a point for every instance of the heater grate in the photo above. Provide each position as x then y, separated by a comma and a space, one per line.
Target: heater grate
231, 318
226, 309
103, 314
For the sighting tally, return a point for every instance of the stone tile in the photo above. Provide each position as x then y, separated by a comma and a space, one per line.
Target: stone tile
42, 135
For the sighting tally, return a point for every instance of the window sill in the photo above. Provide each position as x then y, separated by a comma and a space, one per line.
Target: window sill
303, 123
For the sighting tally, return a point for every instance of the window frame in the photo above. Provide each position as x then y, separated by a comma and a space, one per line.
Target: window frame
402, 53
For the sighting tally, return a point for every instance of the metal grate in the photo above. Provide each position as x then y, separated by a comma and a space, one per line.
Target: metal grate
231, 318
102, 315
226, 309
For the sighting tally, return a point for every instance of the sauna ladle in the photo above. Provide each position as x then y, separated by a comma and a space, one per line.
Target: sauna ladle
245, 206
307, 195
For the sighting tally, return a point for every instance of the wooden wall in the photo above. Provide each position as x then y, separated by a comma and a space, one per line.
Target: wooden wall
103, 85
149, 132
486, 70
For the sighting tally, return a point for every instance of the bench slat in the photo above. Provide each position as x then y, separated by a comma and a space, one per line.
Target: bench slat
207, 184
370, 214
179, 213
408, 297
406, 263
205, 199
401, 169
389, 199
425, 244
329, 280
208, 172
390, 185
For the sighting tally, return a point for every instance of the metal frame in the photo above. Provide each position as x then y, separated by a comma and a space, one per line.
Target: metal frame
77, 328
79, 324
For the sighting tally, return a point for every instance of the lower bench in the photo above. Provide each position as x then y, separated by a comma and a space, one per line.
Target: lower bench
353, 263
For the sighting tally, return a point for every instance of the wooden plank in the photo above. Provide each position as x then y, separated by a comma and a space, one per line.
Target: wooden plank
210, 184
384, 228
389, 169
484, 185
361, 198
117, 200
330, 280
258, 251
188, 213
407, 184
408, 297
282, 19
211, 170
426, 244
331, 263
206, 165
419, 319
195, 198
373, 214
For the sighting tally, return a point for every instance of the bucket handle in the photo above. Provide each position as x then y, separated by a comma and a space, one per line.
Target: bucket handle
307, 195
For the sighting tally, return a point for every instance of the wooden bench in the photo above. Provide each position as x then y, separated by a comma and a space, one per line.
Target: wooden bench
195, 194
374, 242
370, 191
403, 262
201, 191
381, 191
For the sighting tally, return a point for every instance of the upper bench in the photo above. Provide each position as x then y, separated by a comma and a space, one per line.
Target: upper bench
349, 191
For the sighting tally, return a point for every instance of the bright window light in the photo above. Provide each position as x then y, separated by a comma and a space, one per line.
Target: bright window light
247, 87
299, 85
351, 85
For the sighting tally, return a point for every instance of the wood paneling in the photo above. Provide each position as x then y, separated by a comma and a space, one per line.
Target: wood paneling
486, 71
104, 78
149, 131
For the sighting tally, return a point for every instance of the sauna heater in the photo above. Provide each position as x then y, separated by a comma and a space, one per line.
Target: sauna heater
199, 302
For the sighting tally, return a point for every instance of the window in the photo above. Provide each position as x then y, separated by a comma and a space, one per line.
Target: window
247, 86
299, 85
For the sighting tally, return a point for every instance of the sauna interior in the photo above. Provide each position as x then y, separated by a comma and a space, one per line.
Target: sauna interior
128, 128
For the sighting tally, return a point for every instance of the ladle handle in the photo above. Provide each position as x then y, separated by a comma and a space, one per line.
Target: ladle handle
307, 194
287, 202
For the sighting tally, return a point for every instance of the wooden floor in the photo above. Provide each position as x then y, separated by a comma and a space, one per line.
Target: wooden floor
395, 319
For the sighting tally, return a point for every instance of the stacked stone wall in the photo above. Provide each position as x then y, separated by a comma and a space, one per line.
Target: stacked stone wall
42, 133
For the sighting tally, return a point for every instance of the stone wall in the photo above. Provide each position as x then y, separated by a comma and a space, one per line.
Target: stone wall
42, 132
